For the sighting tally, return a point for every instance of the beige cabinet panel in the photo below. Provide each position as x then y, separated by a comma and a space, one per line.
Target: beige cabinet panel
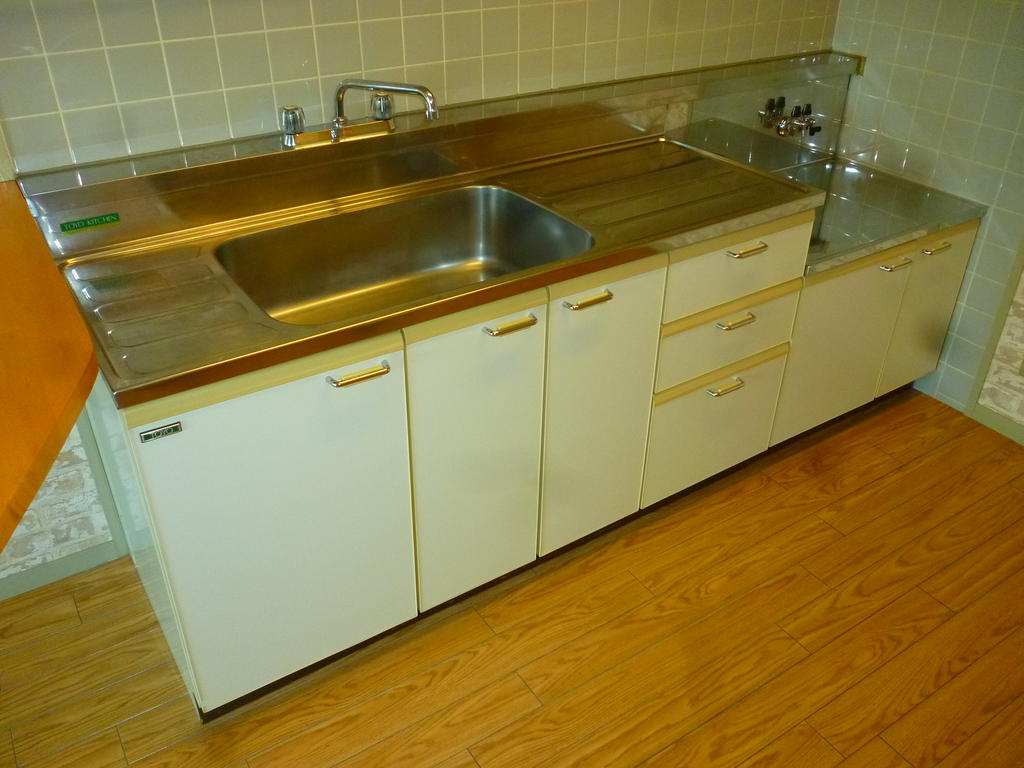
927, 306
601, 360
842, 331
719, 336
733, 269
696, 434
283, 521
475, 411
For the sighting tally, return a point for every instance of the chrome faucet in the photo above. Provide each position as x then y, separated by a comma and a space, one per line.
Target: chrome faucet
381, 107
801, 122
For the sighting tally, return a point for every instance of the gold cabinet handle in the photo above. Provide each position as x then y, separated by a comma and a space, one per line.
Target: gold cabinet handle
358, 376
590, 301
750, 250
937, 249
737, 383
512, 326
907, 261
739, 322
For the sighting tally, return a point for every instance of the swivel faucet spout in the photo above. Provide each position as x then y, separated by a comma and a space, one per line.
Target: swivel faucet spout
382, 106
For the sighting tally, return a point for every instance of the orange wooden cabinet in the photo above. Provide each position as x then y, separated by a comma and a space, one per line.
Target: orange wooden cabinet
47, 363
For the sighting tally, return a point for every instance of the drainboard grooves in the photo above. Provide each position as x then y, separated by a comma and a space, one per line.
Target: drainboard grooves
680, 183
683, 217
627, 165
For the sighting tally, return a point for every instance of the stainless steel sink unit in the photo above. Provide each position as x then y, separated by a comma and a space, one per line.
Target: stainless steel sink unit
390, 256
222, 271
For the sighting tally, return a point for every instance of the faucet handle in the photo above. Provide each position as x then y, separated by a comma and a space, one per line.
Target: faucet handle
293, 120
381, 106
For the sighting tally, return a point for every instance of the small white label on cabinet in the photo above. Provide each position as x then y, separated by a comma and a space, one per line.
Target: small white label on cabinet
153, 434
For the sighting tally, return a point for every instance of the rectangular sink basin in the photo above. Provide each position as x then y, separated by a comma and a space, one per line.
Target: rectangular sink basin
373, 260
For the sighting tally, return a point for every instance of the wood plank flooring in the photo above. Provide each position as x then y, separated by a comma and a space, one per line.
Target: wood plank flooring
854, 598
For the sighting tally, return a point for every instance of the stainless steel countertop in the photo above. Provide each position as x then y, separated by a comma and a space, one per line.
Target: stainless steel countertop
866, 210
167, 318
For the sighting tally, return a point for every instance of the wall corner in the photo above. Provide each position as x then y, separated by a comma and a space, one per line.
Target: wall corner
6, 162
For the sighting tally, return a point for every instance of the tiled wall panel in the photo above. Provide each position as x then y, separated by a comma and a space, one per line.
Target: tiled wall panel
941, 102
84, 80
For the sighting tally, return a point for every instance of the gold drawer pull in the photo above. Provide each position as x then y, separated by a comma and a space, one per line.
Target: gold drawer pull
750, 250
739, 322
590, 301
358, 376
907, 261
937, 249
512, 326
737, 383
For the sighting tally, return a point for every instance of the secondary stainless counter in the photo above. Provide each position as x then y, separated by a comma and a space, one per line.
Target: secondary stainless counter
166, 316
866, 210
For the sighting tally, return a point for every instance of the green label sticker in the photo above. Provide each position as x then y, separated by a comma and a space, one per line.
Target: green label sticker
80, 225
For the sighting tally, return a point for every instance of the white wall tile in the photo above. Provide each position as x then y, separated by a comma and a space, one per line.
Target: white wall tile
252, 110
82, 79
570, 23
630, 56
95, 134
385, 46
25, 87
500, 32
292, 54
535, 70
183, 18
139, 72
202, 117
464, 79
462, 34
68, 25
36, 143
501, 75
150, 126
127, 21
335, 11
287, 13
338, 48
236, 16
193, 65
415, 7
244, 59
568, 65
19, 35
536, 24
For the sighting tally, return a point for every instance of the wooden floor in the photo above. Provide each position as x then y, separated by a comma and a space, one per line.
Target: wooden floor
855, 598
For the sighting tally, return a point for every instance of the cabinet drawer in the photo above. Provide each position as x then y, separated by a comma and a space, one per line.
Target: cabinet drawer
720, 336
707, 274
695, 434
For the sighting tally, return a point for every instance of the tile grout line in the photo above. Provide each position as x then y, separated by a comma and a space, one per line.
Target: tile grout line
110, 73
167, 74
53, 84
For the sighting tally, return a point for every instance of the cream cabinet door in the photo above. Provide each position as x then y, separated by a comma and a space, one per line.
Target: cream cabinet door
843, 326
602, 348
283, 519
932, 288
712, 423
475, 402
